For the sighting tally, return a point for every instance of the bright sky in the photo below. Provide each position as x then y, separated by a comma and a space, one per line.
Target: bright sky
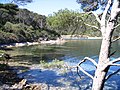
46, 7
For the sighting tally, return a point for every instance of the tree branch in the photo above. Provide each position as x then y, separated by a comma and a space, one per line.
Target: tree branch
106, 10
92, 26
82, 61
97, 17
111, 63
78, 72
114, 64
103, 19
107, 77
114, 61
116, 26
90, 59
89, 75
116, 39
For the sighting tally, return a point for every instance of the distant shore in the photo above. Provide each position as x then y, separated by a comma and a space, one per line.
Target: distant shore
58, 41
77, 37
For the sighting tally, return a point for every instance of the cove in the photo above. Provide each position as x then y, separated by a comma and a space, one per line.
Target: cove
71, 52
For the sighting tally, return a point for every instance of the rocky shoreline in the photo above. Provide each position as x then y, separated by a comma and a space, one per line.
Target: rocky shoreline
61, 40
78, 37
58, 41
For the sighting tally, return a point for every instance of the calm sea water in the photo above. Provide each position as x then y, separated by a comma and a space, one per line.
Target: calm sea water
72, 52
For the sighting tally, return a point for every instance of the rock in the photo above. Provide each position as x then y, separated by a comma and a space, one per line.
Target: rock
40, 86
19, 86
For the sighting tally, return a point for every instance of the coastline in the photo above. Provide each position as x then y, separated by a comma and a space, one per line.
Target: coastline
58, 41
79, 37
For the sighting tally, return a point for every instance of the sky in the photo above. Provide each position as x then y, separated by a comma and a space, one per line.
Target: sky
46, 7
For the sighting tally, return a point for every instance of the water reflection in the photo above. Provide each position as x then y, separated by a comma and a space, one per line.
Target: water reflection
73, 51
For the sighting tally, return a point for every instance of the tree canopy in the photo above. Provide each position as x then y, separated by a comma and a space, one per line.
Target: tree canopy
20, 2
92, 5
72, 22
22, 25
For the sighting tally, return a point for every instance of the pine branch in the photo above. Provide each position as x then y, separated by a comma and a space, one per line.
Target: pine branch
97, 17
89, 59
116, 26
111, 63
78, 72
80, 68
92, 26
114, 61
116, 39
107, 77
112, 53
106, 10
103, 19
89, 75
114, 64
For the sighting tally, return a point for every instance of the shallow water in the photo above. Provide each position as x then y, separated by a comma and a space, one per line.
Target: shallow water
71, 52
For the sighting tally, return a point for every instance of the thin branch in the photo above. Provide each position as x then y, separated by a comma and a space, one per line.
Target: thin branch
89, 75
106, 10
78, 66
116, 26
114, 64
107, 77
112, 53
90, 59
78, 72
97, 17
114, 61
103, 19
116, 39
111, 63
92, 26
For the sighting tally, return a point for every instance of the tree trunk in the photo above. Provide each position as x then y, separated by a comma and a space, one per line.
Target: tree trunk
99, 78
104, 57
107, 29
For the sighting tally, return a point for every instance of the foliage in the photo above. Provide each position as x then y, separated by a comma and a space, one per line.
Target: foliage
7, 13
71, 22
19, 2
54, 64
92, 5
21, 25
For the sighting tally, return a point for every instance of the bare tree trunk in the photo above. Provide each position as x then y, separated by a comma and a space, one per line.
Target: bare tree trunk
100, 74
104, 62
107, 29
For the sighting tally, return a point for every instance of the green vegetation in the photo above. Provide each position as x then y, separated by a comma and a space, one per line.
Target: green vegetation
72, 22
21, 25
54, 64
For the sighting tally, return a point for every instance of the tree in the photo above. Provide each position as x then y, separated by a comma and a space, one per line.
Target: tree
7, 12
19, 2
108, 24
65, 22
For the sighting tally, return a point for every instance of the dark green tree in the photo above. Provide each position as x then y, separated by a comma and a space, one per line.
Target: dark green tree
7, 12
66, 22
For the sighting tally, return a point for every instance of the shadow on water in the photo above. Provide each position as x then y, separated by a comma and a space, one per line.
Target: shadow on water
8, 74
35, 59
68, 79
55, 79
71, 52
